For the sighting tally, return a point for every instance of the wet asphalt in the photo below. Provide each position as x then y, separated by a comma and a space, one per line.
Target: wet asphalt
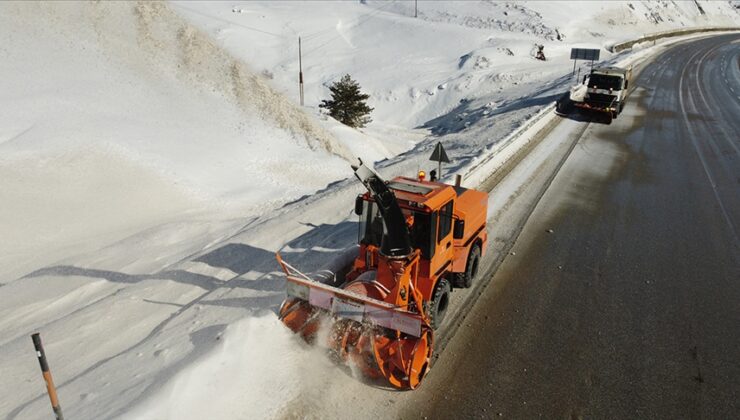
621, 298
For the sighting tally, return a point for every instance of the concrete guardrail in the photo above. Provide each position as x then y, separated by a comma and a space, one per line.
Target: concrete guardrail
666, 34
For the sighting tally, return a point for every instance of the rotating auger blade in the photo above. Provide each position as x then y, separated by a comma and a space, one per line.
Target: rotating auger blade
381, 339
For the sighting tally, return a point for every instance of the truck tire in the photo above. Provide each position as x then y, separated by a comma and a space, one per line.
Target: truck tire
619, 108
439, 303
465, 280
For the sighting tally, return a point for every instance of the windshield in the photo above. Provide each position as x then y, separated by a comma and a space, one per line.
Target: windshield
602, 81
371, 228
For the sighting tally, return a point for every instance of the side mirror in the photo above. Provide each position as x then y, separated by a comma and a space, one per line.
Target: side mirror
359, 202
459, 229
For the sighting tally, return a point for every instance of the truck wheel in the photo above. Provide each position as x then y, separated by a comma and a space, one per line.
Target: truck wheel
619, 108
465, 280
439, 303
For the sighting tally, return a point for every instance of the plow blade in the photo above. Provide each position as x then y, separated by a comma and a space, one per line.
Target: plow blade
382, 339
608, 110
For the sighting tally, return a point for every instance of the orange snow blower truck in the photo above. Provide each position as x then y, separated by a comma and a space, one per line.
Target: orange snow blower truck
418, 240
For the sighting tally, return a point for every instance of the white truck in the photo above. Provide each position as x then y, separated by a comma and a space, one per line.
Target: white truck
604, 90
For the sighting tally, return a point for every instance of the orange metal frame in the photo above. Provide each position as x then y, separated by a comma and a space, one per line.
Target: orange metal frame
349, 305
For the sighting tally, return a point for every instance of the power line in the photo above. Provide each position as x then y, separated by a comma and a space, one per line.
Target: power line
229, 22
360, 22
352, 22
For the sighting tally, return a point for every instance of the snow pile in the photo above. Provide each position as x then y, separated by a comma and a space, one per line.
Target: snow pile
254, 354
119, 116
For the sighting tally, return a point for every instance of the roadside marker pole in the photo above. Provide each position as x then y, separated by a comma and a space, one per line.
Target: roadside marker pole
300, 70
47, 376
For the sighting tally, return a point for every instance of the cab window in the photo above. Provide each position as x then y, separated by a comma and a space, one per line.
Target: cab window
422, 233
445, 221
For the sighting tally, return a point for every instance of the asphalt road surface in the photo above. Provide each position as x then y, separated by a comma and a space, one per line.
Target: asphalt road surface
621, 298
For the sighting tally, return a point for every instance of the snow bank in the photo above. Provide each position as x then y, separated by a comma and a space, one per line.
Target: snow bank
121, 116
257, 369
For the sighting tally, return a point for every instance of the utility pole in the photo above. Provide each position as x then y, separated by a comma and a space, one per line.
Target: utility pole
300, 71
416, 8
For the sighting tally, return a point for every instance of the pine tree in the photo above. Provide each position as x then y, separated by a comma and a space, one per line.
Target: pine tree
347, 104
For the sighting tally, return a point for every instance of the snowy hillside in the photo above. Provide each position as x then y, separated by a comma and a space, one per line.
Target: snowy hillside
153, 159
416, 69
119, 116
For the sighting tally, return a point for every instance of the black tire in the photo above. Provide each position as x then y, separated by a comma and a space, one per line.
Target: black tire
620, 107
564, 106
439, 303
465, 280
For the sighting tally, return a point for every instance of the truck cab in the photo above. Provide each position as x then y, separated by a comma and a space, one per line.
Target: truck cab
446, 225
606, 89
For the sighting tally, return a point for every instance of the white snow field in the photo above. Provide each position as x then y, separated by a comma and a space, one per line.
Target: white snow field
153, 158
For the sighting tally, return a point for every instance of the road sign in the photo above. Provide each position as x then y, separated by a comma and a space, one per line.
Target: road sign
584, 54
439, 155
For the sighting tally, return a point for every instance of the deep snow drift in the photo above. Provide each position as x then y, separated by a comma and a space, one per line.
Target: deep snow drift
148, 170
118, 116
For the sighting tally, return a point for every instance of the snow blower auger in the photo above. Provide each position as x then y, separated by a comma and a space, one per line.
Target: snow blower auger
418, 240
